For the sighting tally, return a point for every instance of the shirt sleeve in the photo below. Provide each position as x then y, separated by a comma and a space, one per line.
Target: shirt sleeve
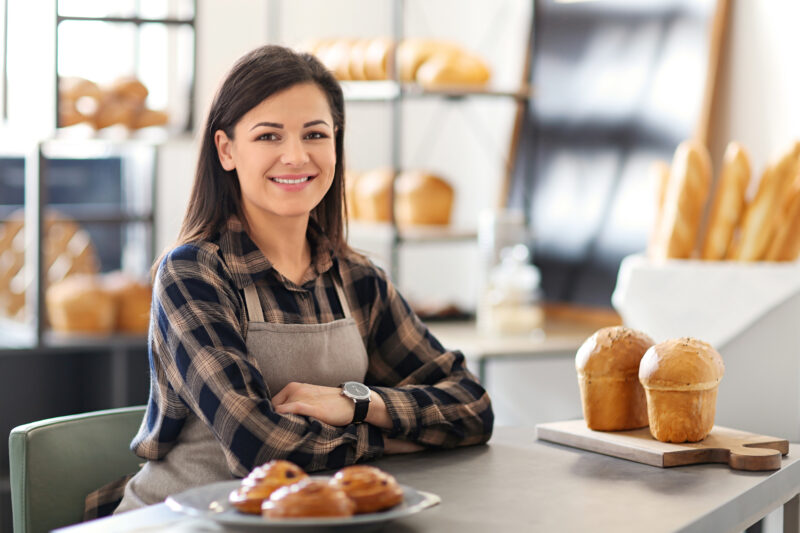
199, 345
430, 395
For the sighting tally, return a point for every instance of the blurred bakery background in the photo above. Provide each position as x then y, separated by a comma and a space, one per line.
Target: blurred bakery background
499, 166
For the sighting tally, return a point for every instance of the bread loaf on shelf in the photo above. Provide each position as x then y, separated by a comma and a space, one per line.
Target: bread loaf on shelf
377, 57
452, 68
80, 304
131, 299
67, 249
728, 202
684, 203
422, 198
680, 378
607, 364
372, 194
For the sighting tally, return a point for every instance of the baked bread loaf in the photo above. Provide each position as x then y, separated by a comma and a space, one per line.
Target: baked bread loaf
452, 68
350, 179
413, 52
377, 57
262, 482
80, 304
658, 174
131, 302
306, 499
369, 487
336, 57
78, 99
687, 192
608, 374
358, 54
728, 204
373, 195
422, 198
785, 245
759, 222
680, 378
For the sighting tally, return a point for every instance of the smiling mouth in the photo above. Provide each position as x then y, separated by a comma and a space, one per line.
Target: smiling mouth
292, 181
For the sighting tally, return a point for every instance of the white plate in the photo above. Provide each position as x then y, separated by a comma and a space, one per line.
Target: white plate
211, 501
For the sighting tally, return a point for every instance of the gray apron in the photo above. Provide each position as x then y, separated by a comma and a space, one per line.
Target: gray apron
321, 354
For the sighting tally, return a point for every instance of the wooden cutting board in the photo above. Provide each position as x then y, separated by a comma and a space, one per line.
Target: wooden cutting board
739, 449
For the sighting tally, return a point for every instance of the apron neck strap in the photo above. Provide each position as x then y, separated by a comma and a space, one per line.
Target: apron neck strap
253, 303
337, 283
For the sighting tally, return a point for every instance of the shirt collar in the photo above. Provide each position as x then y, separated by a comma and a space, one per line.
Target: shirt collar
246, 261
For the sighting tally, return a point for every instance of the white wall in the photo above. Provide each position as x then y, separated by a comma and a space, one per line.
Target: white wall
758, 101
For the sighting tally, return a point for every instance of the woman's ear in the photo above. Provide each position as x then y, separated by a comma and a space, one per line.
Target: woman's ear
224, 147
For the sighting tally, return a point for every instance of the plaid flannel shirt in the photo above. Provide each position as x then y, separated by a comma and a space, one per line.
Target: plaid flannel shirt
199, 361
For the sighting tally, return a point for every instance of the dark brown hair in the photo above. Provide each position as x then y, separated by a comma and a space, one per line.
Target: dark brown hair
216, 194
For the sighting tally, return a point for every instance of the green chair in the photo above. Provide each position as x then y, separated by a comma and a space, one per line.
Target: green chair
55, 463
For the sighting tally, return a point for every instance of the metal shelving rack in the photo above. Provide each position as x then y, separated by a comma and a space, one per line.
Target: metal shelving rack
36, 162
395, 93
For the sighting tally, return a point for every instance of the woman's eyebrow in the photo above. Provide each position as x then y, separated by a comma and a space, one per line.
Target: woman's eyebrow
280, 126
268, 124
314, 123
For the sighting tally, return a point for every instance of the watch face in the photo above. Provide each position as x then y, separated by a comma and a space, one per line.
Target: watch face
356, 390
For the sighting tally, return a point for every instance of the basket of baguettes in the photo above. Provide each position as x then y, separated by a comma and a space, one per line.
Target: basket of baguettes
280, 489
627, 381
738, 219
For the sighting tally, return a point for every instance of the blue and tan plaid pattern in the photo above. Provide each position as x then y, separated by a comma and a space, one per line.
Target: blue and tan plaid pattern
199, 362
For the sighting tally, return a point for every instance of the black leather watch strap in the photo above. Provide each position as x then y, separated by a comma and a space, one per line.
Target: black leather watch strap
360, 414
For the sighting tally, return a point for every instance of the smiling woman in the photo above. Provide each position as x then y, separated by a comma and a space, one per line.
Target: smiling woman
284, 155
270, 338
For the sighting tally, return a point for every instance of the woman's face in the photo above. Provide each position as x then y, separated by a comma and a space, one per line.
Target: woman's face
284, 153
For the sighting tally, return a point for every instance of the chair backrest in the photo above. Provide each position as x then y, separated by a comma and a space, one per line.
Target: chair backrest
55, 463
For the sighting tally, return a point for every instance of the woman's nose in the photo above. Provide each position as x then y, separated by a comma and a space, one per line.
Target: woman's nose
294, 153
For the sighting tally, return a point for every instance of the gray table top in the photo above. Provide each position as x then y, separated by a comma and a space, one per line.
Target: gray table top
517, 483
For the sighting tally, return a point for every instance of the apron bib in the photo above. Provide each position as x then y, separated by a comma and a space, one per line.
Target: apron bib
320, 354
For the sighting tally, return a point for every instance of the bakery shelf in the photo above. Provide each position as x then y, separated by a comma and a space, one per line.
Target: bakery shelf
87, 214
385, 231
128, 20
411, 90
380, 91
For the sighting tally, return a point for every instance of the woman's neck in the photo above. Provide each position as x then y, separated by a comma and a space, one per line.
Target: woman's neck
283, 242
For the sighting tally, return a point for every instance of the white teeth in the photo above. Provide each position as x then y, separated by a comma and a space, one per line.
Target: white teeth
300, 180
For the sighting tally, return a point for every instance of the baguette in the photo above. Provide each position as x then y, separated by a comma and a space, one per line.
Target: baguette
785, 246
687, 192
759, 222
728, 204
658, 173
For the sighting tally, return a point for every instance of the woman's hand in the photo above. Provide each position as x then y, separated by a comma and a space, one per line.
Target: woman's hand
323, 403
328, 405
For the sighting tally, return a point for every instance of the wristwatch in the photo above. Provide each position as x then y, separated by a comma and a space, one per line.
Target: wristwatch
360, 394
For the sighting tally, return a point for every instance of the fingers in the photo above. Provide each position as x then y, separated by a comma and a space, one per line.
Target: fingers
285, 394
295, 408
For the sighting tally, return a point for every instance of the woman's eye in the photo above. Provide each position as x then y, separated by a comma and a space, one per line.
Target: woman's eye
268, 137
316, 135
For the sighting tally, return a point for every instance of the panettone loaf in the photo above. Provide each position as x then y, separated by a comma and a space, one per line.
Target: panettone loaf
608, 374
680, 378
